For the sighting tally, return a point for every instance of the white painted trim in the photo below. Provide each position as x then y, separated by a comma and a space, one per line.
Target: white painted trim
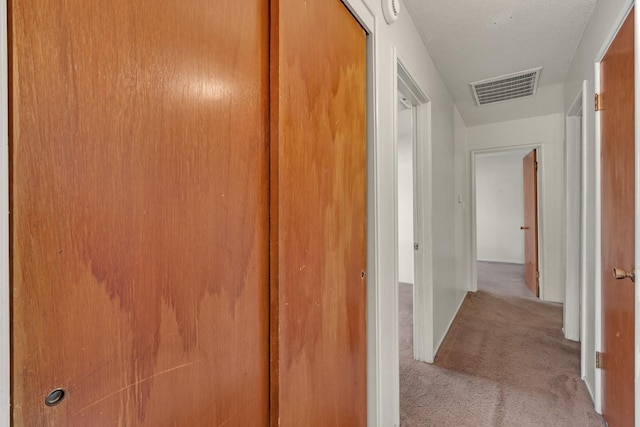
583, 236
423, 296
573, 149
542, 253
473, 286
375, 389
473, 241
598, 242
577, 106
362, 11
395, 363
5, 341
423, 279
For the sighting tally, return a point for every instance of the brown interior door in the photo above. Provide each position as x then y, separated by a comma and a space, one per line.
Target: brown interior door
530, 195
318, 215
139, 212
617, 168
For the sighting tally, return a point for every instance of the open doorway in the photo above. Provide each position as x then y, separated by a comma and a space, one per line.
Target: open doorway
413, 319
413, 219
506, 213
575, 250
407, 242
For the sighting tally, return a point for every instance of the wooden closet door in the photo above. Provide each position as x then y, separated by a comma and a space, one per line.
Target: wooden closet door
139, 212
318, 174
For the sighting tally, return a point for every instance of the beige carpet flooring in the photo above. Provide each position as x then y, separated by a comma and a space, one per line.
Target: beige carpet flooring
504, 362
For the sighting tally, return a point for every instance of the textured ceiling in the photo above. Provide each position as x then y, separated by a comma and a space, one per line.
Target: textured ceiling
471, 40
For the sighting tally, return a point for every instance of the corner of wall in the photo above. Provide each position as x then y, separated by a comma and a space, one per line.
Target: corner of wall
441, 338
462, 203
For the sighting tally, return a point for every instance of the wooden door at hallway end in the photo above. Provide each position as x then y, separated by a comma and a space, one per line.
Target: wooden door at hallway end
319, 216
140, 261
530, 227
617, 166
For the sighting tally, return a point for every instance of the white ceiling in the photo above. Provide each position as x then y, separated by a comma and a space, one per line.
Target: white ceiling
471, 40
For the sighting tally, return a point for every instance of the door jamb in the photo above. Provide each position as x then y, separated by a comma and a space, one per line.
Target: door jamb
598, 237
423, 287
575, 251
421, 146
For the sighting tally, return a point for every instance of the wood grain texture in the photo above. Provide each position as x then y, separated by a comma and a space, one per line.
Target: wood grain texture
318, 178
139, 212
530, 196
617, 168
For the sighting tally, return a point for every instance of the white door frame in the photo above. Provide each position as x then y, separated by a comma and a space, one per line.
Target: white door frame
473, 285
423, 279
575, 250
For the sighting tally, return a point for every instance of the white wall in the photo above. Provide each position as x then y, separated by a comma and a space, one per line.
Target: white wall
405, 196
462, 197
547, 132
606, 17
499, 206
448, 288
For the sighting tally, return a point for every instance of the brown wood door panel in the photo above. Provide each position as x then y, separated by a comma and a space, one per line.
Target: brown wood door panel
530, 196
617, 168
318, 215
139, 212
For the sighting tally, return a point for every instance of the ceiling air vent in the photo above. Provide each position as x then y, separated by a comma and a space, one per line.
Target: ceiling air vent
510, 86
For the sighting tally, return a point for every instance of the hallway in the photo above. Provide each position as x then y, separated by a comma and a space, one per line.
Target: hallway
504, 362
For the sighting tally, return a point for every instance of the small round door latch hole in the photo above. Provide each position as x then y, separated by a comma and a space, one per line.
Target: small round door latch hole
362, 274
55, 397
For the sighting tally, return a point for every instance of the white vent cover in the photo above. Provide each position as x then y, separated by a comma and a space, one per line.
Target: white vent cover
503, 88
